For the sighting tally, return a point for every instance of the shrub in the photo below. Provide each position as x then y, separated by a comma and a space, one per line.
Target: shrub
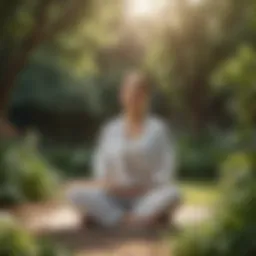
24, 175
198, 158
201, 157
15, 241
47, 248
71, 162
233, 229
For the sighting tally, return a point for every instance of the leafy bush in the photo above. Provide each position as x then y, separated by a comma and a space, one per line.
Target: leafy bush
47, 248
15, 241
24, 175
71, 162
233, 230
239, 187
198, 158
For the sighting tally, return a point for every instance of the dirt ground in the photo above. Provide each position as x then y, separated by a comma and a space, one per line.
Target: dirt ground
62, 224
84, 242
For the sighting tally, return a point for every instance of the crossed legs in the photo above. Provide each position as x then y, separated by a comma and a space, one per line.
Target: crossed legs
146, 210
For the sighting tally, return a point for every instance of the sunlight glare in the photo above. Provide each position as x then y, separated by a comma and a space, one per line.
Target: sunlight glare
145, 8
150, 8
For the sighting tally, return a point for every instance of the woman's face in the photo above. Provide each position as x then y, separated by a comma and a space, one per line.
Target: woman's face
134, 96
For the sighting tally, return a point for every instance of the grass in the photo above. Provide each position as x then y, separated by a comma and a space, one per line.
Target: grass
198, 193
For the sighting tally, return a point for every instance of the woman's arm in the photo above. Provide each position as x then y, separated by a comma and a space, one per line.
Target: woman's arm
167, 158
100, 165
102, 172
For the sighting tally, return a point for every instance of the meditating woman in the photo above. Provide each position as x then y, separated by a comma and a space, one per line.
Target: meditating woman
134, 166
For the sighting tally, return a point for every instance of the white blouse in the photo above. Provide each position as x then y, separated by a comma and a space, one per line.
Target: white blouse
147, 160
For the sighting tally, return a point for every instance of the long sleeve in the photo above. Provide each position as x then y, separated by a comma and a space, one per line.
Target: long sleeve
165, 172
100, 165
108, 162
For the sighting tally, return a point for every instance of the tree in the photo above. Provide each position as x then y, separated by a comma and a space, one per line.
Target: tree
191, 42
238, 77
25, 25
67, 35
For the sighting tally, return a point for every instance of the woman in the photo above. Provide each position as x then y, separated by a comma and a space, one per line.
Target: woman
134, 163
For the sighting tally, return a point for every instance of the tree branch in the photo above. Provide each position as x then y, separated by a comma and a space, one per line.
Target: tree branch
73, 13
17, 61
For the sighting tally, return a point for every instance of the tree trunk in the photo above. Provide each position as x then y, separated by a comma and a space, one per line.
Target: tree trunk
38, 34
197, 98
17, 61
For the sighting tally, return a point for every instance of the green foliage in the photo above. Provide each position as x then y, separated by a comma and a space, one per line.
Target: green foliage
181, 50
78, 50
71, 162
239, 186
24, 175
48, 87
238, 77
187, 45
233, 229
51, 87
70, 32
15, 241
47, 248
199, 157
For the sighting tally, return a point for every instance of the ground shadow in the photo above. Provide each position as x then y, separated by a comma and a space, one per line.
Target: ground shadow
90, 240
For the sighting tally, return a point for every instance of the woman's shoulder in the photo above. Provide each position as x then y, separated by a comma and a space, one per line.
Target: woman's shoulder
162, 129
158, 124
112, 125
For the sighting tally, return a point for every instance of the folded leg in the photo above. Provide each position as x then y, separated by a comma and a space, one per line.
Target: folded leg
156, 203
97, 204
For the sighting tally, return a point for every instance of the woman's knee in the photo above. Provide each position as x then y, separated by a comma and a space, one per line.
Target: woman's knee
172, 194
83, 195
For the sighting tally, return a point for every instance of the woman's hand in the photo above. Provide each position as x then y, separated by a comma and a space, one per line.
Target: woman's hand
125, 191
122, 190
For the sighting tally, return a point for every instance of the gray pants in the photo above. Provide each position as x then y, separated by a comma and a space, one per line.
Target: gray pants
108, 210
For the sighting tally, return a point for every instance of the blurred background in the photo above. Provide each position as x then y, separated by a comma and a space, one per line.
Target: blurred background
61, 64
